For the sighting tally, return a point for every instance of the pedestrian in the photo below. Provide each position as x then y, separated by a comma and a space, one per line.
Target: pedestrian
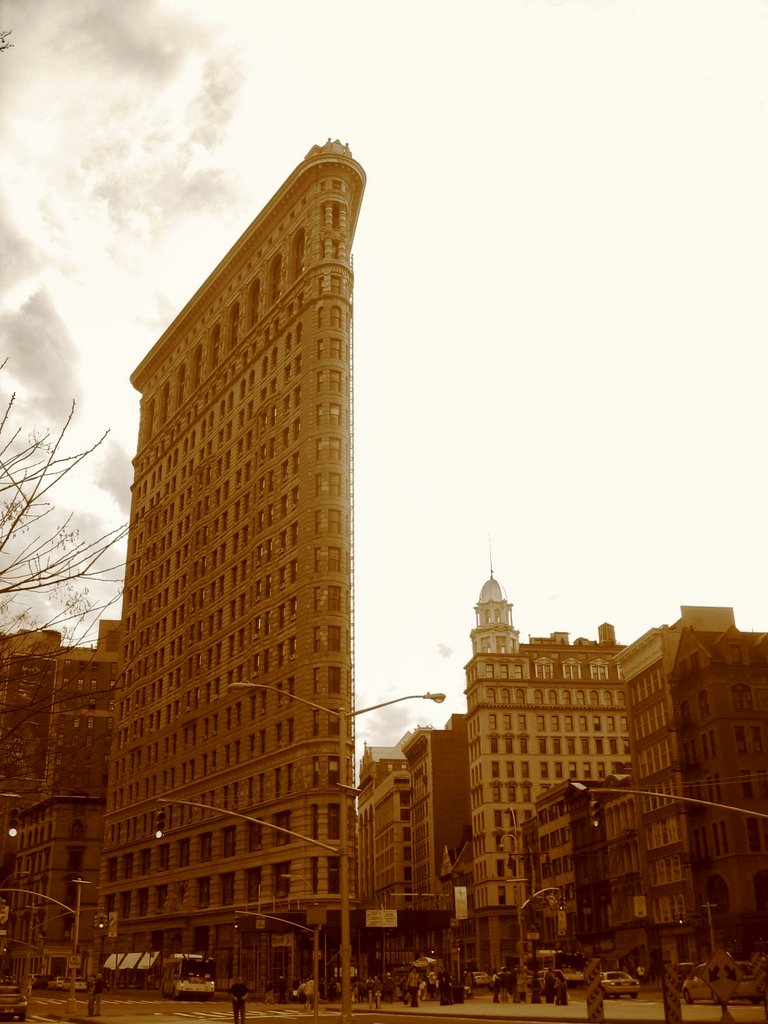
388, 989
94, 1002
549, 986
309, 993
561, 990
412, 983
511, 983
282, 988
496, 981
445, 988
238, 990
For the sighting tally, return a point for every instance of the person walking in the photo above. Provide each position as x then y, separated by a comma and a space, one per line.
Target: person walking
309, 993
94, 1001
238, 991
412, 983
549, 985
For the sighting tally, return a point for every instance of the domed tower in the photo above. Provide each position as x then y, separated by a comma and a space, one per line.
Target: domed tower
494, 632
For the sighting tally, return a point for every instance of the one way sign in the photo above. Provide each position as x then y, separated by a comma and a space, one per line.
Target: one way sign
722, 974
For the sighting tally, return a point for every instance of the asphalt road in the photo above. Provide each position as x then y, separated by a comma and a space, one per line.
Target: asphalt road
134, 1005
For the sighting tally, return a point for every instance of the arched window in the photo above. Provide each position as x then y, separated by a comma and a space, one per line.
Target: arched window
254, 298
490, 695
505, 696
214, 346
703, 699
336, 319
566, 697
593, 698
234, 325
165, 401
275, 274
181, 385
608, 698
77, 830
520, 696
580, 698
298, 247
741, 698
552, 697
197, 366
538, 697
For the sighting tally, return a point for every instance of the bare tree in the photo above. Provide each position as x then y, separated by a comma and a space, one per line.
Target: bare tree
4, 44
45, 563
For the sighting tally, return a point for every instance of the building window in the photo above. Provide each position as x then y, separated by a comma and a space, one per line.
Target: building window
203, 892
228, 887
229, 840
206, 846
741, 698
333, 811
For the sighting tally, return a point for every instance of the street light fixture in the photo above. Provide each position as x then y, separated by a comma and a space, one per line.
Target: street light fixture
345, 951
552, 895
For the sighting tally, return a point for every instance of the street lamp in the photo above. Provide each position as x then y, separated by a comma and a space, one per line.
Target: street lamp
71, 1001
345, 951
551, 895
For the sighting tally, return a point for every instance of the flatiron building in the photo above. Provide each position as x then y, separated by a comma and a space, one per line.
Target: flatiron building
240, 571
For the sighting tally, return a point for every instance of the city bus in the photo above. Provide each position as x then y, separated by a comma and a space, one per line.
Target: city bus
188, 976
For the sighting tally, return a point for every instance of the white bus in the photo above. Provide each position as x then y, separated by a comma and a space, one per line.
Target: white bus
188, 975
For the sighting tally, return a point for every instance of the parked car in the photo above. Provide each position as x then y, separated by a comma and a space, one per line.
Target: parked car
39, 981
695, 989
619, 983
481, 979
58, 982
12, 1001
81, 985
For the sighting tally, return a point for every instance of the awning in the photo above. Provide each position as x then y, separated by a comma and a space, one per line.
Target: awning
147, 959
122, 961
129, 961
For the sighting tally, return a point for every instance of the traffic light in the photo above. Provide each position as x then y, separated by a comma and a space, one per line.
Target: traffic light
160, 824
13, 822
101, 921
596, 811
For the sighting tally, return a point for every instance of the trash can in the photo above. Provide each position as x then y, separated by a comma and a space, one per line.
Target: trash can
457, 991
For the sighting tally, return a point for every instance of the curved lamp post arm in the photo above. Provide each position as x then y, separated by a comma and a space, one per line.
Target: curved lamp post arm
247, 817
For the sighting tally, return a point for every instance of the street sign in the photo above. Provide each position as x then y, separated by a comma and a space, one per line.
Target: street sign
722, 974
381, 919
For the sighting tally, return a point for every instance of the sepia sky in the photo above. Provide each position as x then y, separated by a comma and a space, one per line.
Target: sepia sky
560, 303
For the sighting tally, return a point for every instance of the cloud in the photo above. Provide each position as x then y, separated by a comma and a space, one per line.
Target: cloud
444, 651
42, 360
114, 474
